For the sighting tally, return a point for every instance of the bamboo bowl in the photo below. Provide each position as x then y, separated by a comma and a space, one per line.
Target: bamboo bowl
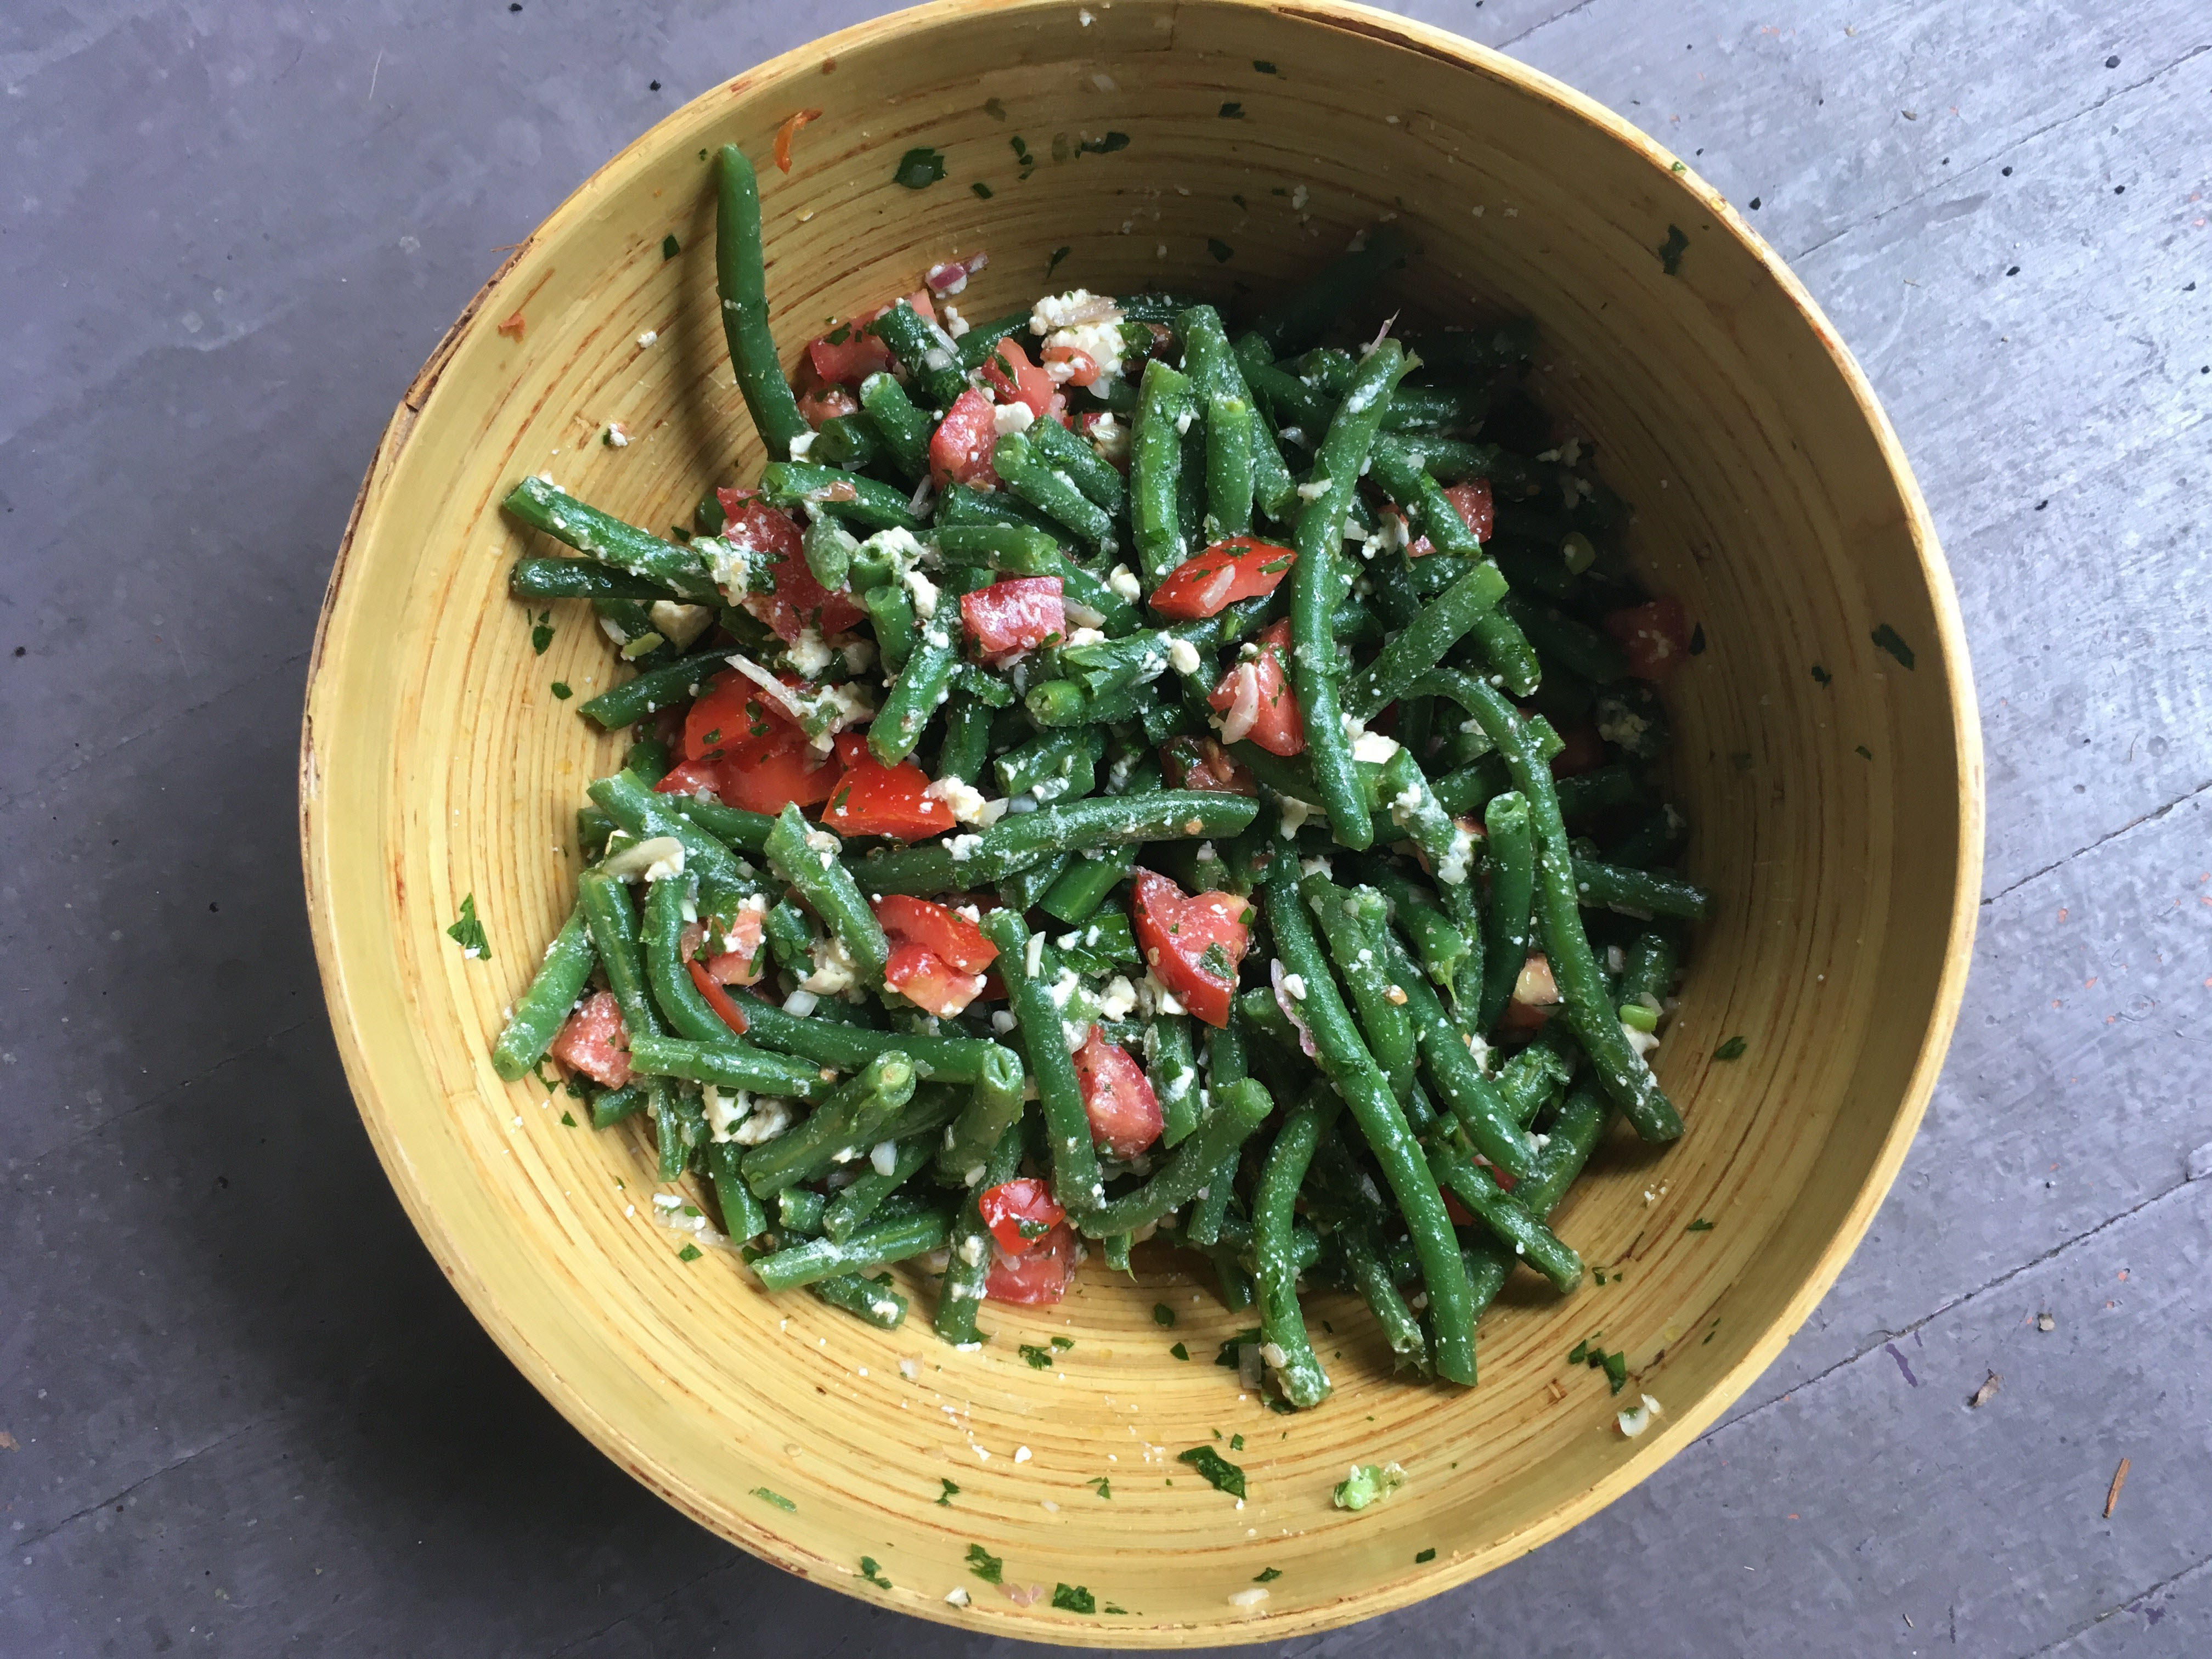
1838, 820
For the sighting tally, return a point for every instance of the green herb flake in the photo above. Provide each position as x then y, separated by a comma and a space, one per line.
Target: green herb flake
1058, 254
1040, 1359
982, 191
568, 1118
1163, 1314
1237, 1443
1021, 151
1887, 638
1224, 1475
1267, 1575
991, 1569
670, 247
1368, 1483
1697, 641
872, 1570
690, 1253
918, 169
1423, 1557
1110, 1607
1579, 1352
1821, 676
1063, 1343
561, 690
1700, 1225
468, 933
1671, 251
1680, 167
1732, 1049
1862, 751
994, 109
1102, 1485
541, 633
1220, 250
1599, 1274
1232, 111
1616, 1372
774, 1498
945, 1499
1180, 1352
1265, 67
1741, 760
1073, 1598
1104, 144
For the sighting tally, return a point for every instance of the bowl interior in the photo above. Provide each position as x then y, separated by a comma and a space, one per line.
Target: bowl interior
1228, 149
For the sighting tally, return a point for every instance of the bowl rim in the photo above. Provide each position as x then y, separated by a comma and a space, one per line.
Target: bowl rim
1657, 1447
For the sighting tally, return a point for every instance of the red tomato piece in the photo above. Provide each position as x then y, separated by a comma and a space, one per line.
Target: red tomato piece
820, 404
1125, 1113
1257, 700
799, 601
847, 355
739, 962
1019, 1213
1018, 380
1238, 568
1082, 368
595, 1041
692, 778
930, 983
937, 928
718, 999
1471, 499
728, 710
1193, 945
1657, 637
1040, 1274
1016, 615
1584, 750
875, 799
1535, 994
1202, 763
761, 774
960, 448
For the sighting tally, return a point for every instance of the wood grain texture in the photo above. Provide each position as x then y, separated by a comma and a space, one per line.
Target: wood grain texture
436, 762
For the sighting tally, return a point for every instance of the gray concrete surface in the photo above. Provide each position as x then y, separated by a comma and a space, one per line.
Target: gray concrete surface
243, 1415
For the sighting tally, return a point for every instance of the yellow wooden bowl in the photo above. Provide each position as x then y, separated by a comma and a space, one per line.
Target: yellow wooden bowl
1835, 785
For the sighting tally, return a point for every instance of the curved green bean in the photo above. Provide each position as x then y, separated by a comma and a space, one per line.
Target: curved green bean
807, 858
967, 1264
872, 1246
1421, 644
1031, 968
741, 279
844, 1127
543, 1009
1288, 1348
547, 507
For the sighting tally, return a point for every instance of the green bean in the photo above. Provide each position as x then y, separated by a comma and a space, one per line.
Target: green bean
1111, 665
732, 826
1371, 1276
1054, 766
1323, 300
612, 1106
846, 441
1166, 309
1018, 841
1172, 1066
1510, 848
1475, 1101
930, 354
1447, 953
679, 999
1024, 889
1165, 403
849, 1210
976, 345
743, 1218
904, 429
1587, 792
829, 547
1117, 1254
847, 1048
1076, 897
723, 886
873, 1247
1655, 841
647, 756
1575, 646
728, 1063
1031, 968
1298, 1371
994, 1105
807, 858
1295, 406
1527, 1080
1231, 440
1648, 971
538, 577
1215, 374
967, 1264
793, 484
655, 690
1448, 849
1350, 926
1023, 469
1092, 473
798, 1210
741, 278
790, 939
542, 1009
1190, 480
1590, 1012
871, 1299
1238, 1109
891, 616
1020, 550
546, 506
1346, 1060
1417, 408
1639, 892
1419, 647
613, 924
960, 505
844, 1126
672, 1145
1521, 1233
1574, 1136
924, 682
1507, 650
1317, 581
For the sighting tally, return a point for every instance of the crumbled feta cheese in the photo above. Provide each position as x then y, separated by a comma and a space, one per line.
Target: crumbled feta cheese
956, 1597
955, 323
1373, 747
835, 970
884, 1156
767, 1120
645, 340
801, 444
1249, 1599
963, 848
1002, 1021
808, 654
1110, 438
1642, 1042
1007, 419
924, 592
724, 1111
615, 438
1313, 489
966, 800
1086, 636
1183, 658
1123, 580
680, 624
1295, 814
1118, 999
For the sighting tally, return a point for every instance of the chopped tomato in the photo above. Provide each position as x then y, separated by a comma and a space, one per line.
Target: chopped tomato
1019, 1213
847, 355
930, 983
729, 709
595, 1041
1040, 1274
1584, 751
820, 404
739, 962
787, 132
1257, 700
1239, 568
797, 601
1016, 615
1471, 500
1018, 380
761, 774
691, 778
718, 999
1192, 945
875, 799
1656, 637
1535, 994
1202, 763
1125, 1113
942, 930
1082, 368
960, 448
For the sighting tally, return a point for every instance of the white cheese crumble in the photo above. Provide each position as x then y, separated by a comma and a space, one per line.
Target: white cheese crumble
1123, 580
645, 340
835, 970
767, 1120
1007, 419
924, 592
1313, 489
1373, 747
1118, 998
801, 444
1183, 658
963, 848
808, 654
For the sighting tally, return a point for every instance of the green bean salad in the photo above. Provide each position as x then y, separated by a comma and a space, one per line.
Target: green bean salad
1112, 779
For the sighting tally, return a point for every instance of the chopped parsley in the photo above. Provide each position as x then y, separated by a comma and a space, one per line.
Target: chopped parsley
1073, 1598
981, 190
569, 1119
690, 1253
1700, 1225
1058, 254
1423, 1555
1732, 1049
1163, 1314
1220, 250
1040, 1359
1680, 167
468, 933
1237, 1443
1887, 637
1368, 1483
1232, 111
1063, 1342
1862, 751
945, 1499
991, 1569
670, 247
541, 633
994, 109
1224, 1475
1265, 67
1671, 251
1180, 1352
1616, 1370
774, 1498
1267, 1575
1213, 962
872, 1570
918, 169
1227, 1357
561, 690
1102, 1483
1105, 144
1821, 676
